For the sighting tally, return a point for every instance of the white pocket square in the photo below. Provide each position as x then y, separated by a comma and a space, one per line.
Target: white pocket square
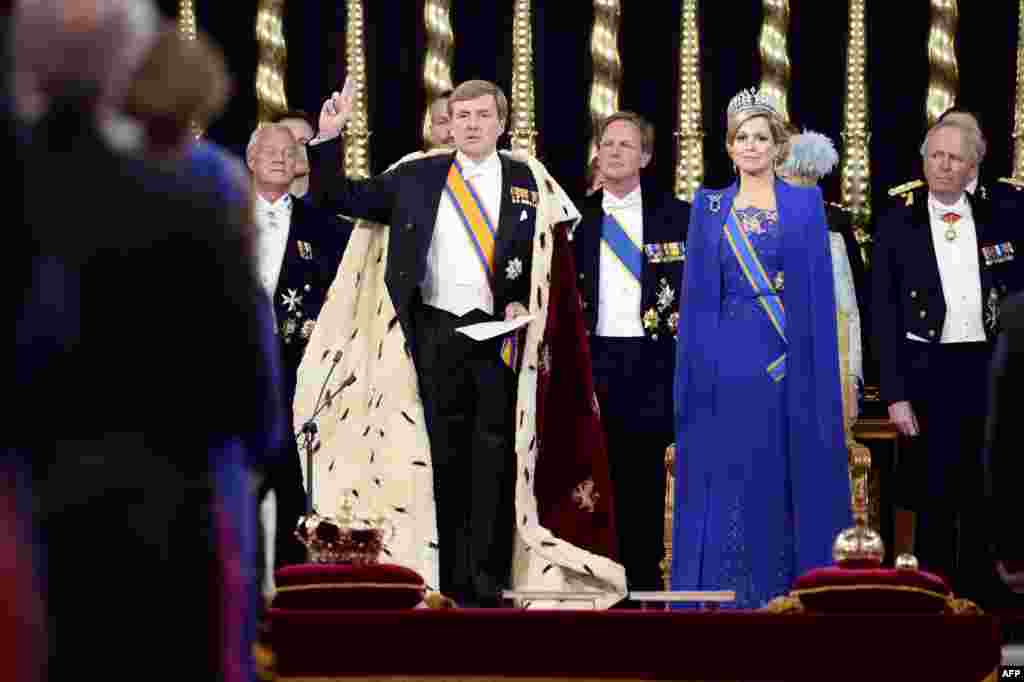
914, 337
522, 216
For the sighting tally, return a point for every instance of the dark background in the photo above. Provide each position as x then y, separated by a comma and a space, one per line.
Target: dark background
648, 40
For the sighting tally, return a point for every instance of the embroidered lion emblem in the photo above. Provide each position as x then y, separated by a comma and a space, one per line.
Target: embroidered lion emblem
586, 496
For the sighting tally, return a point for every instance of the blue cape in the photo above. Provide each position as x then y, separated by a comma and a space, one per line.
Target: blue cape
817, 452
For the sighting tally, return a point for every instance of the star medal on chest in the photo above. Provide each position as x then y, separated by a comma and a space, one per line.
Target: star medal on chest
514, 269
292, 299
666, 294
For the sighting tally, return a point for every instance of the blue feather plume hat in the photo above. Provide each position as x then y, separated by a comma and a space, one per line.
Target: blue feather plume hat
811, 154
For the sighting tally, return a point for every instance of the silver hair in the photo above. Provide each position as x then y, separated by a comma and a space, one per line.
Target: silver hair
96, 45
811, 155
971, 135
254, 139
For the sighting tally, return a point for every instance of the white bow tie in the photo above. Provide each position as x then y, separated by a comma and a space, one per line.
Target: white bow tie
610, 203
474, 173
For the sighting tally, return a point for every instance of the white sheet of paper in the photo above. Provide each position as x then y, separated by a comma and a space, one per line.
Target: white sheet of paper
488, 330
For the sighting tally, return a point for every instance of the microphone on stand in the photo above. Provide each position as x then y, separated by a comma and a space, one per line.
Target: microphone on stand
309, 428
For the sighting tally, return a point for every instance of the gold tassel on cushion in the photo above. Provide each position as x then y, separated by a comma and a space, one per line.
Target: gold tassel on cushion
436, 600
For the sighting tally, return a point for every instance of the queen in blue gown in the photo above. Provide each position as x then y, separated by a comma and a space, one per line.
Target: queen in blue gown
762, 485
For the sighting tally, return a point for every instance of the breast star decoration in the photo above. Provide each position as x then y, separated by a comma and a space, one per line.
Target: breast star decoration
292, 299
666, 294
514, 269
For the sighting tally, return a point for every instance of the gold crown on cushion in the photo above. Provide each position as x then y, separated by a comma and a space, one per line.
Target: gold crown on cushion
345, 538
751, 101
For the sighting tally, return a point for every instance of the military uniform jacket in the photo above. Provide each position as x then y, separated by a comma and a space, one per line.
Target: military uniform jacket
907, 288
407, 199
665, 221
316, 242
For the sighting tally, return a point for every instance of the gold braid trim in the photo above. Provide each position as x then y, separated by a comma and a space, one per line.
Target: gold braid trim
350, 586
872, 587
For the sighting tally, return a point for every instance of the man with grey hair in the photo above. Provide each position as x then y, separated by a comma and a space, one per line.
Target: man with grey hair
92, 47
942, 268
969, 121
298, 250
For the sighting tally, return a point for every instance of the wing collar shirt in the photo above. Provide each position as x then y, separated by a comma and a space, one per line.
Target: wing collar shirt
619, 293
273, 220
958, 270
455, 280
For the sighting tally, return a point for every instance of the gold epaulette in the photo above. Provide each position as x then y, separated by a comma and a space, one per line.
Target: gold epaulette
1013, 182
906, 190
905, 187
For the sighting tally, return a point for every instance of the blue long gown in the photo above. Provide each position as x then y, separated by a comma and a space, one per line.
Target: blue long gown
746, 539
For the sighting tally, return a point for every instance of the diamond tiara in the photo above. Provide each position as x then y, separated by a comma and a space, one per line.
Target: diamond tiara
751, 101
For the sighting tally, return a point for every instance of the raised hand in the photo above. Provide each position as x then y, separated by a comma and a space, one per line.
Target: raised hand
336, 111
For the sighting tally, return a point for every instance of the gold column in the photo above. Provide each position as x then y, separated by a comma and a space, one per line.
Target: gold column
774, 48
437, 67
607, 65
273, 56
357, 130
855, 172
1018, 128
690, 135
186, 19
523, 134
187, 31
943, 82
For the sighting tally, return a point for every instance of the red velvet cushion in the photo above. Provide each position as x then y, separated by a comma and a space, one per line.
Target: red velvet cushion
842, 590
343, 586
